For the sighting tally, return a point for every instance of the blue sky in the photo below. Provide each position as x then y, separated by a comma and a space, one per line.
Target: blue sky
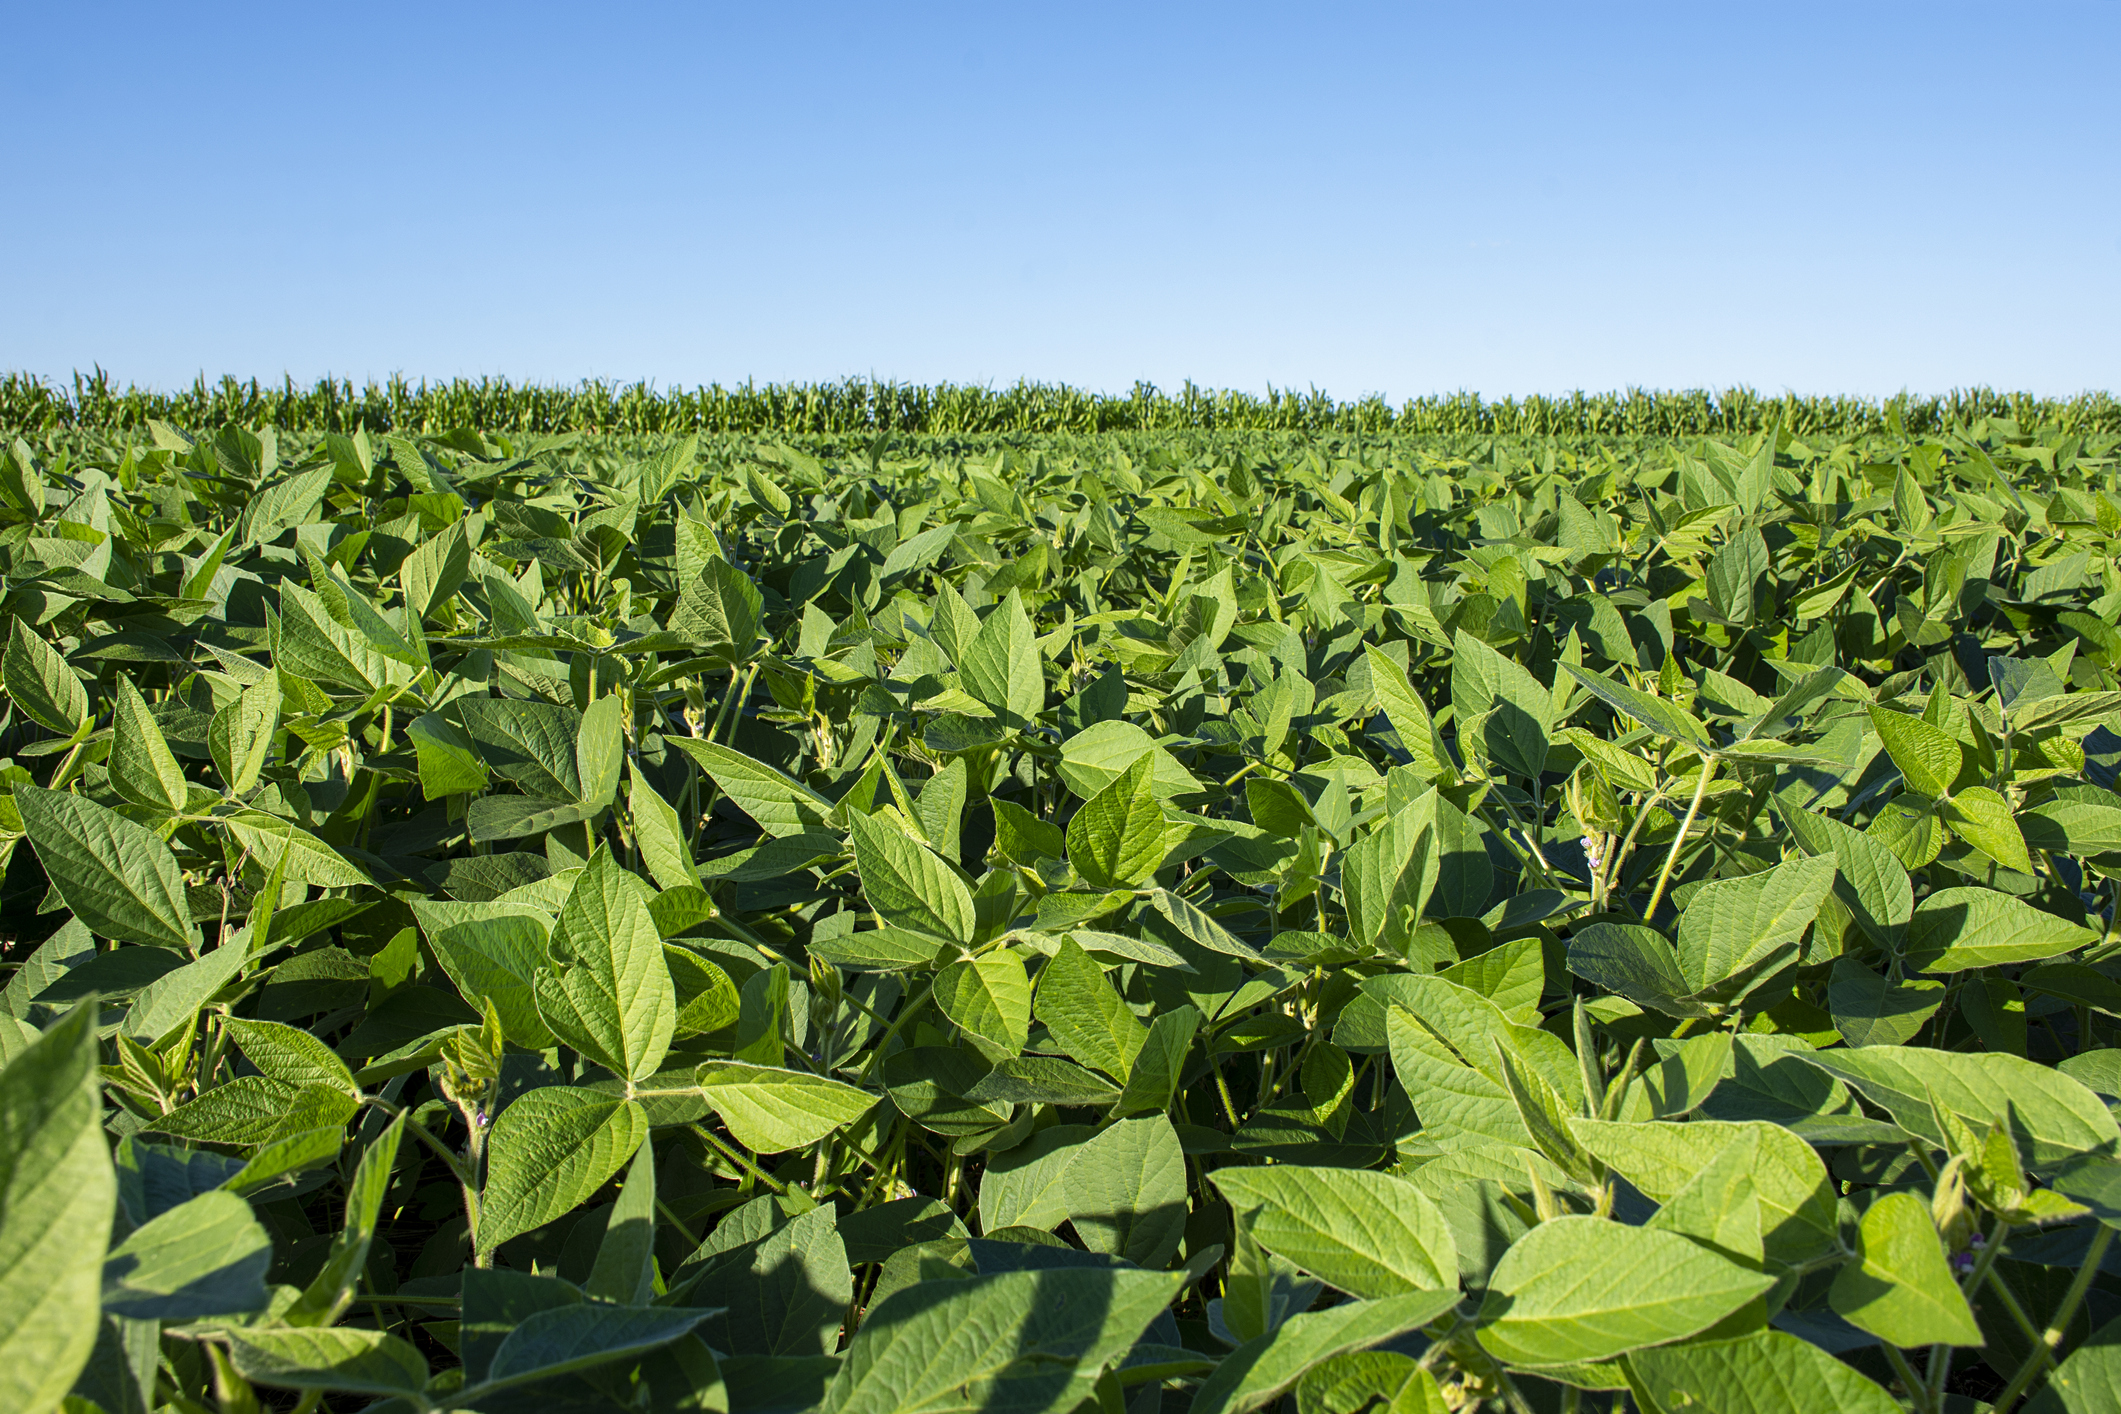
1853, 197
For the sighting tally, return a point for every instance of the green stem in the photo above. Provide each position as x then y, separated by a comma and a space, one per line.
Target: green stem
906, 1013
1664, 875
2050, 1339
738, 1157
1917, 1389
1531, 837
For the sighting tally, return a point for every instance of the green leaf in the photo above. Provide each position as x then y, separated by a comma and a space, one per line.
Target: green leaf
721, 609
41, 683
1983, 819
495, 958
2089, 1381
1732, 927
1026, 1340
1578, 1289
1025, 1186
549, 1151
175, 997
1767, 1372
1126, 1191
1667, 719
599, 752
1409, 717
340, 1358
791, 1297
142, 768
1928, 758
1085, 1017
625, 1266
1797, 1198
1383, 1380
116, 876
1720, 1206
1099, 754
989, 998
1635, 962
1957, 929
289, 1054
1264, 1369
1116, 841
436, 569
1741, 579
2052, 1117
449, 763
564, 1339
532, 744
659, 835
1870, 1011
1368, 1234
330, 1291
58, 1192
1002, 666
1503, 712
309, 859
241, 736
608, 992
779, 805
1901, 1288
771, 1110
907, 884
1869, 878
1159, 1066
207, 1257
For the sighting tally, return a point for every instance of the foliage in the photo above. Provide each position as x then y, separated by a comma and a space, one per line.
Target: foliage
862, 407
1149, 922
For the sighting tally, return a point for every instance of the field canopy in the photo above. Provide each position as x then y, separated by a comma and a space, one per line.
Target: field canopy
912, 918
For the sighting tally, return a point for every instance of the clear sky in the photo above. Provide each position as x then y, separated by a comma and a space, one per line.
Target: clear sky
1835, 198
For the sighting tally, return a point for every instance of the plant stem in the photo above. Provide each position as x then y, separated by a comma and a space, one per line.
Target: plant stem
1917, 1390
2044, 1348
738, 1157
1664, 875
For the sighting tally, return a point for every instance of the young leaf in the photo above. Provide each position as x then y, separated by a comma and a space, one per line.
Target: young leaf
1901, 1288
608, 993
1929, 760
1085, 1017
1116, 841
